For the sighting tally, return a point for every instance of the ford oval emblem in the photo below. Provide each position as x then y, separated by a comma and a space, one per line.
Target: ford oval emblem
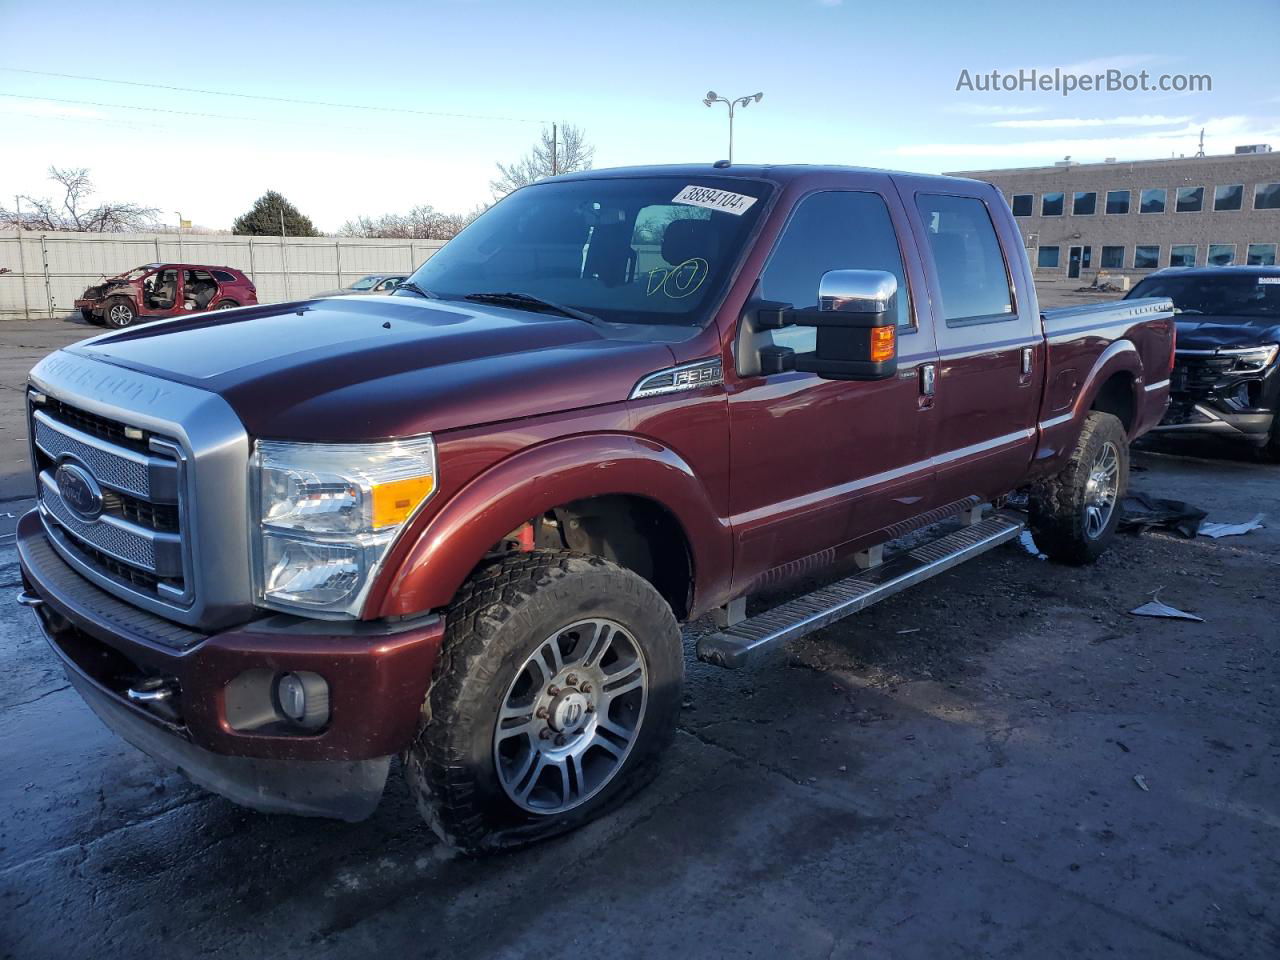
79, 491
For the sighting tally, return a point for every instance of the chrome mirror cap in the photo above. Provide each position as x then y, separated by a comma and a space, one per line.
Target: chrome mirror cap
858, 291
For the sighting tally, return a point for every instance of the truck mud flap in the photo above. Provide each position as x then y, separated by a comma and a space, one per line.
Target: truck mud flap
748, 641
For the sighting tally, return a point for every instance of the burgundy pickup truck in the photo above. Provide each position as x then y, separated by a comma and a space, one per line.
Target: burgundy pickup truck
460, 525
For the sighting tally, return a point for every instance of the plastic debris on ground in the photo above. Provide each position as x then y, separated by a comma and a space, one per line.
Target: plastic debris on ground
1217, 530
1140, 512
1029, 544
1155, 608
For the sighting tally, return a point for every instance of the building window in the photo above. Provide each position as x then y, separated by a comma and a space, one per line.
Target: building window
1048, 257
1146, 257
1190, 199
1228, 198
1182, 255
1221, 255
1262, 255
1118, 201
1153, 201
1266, 196
1113, 258
1084, 204
1023, 204
1051, 204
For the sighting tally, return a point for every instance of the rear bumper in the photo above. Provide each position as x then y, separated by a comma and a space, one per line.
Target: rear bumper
377, 673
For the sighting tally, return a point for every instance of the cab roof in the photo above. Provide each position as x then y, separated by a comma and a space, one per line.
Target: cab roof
777, 173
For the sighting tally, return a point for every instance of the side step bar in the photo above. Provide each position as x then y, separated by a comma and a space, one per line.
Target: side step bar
743, 643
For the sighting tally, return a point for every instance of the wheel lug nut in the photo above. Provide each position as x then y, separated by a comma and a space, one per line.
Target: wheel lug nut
560, 740
585, 688
591, 708
540, 713
553, 691
545, 733
571, 680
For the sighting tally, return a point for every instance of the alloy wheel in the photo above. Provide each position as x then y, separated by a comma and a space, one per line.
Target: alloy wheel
571, 716
1101, 490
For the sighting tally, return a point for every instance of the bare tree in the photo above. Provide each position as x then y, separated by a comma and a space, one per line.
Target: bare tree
572, 153
72, 211
423, 222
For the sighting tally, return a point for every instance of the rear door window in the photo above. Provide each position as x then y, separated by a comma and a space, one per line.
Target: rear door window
972, 278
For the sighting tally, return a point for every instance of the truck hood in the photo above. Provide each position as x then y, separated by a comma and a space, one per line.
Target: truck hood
1196, 332
364, 368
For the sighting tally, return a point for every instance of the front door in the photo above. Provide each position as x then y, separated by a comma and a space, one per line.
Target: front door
1073, 263
819, 463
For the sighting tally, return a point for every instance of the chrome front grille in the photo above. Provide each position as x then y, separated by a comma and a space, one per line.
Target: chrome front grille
138, 539
117, 467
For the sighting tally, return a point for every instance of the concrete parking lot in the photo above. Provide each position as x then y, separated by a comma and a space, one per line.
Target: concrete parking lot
1001, 763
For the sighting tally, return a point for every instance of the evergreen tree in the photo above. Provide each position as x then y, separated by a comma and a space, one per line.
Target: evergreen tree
263, 220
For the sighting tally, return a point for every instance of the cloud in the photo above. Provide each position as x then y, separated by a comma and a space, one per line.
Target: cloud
1123, 61
1146, 120
1222, 134
991, 110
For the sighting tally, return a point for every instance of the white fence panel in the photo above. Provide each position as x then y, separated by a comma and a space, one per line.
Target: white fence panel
47, 272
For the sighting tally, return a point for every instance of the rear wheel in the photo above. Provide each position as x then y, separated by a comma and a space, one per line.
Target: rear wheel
226, 305
557, 689
1075, 514
119, 313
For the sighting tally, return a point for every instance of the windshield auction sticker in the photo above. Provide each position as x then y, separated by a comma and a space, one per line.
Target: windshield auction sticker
712, 199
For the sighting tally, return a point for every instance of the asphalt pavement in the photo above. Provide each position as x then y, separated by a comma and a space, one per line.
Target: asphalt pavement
1001, 763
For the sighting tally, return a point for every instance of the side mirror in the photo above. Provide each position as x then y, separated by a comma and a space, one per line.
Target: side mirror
856, 322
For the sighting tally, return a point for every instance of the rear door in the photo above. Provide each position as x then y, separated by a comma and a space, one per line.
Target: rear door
990, 344
816, 464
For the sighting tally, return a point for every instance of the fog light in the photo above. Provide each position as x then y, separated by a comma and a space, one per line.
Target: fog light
303, 698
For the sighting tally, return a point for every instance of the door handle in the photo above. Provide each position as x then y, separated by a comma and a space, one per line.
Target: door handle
928, 379
1027, 357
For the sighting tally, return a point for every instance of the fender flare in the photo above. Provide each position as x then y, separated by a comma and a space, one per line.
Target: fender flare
433, 558
1121, 356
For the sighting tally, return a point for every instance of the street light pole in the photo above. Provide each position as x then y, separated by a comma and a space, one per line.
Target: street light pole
713, 97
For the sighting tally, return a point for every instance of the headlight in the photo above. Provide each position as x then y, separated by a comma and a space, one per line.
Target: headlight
1251, 359
326, 515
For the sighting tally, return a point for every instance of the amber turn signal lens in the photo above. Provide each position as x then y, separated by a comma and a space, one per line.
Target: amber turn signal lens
394, 500
884, 342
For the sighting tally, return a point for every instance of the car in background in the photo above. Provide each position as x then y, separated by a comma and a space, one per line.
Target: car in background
382, 284
1226, 378
158, 290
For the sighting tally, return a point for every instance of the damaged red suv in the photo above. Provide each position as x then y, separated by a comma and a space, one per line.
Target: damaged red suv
165, 290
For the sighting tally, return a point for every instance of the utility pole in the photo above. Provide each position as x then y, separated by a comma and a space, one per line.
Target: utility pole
22, 258
284, 255
555, 159
713, 97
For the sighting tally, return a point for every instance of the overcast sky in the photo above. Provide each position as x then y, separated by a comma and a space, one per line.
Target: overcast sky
857, 82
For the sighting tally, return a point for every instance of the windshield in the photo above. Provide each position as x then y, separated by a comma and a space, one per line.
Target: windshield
137, 273
364, 283
1243, 295
646, 250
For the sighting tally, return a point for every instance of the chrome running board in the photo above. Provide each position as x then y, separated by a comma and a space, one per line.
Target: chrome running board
740, 645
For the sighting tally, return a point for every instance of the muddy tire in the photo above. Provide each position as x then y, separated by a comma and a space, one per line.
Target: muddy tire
558, 687
1074, 515
119, 313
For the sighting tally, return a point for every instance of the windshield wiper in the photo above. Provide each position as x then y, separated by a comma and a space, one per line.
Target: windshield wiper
413, 287
523, 301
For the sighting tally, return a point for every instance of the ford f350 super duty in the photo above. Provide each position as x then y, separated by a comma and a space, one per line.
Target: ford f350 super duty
277, 547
